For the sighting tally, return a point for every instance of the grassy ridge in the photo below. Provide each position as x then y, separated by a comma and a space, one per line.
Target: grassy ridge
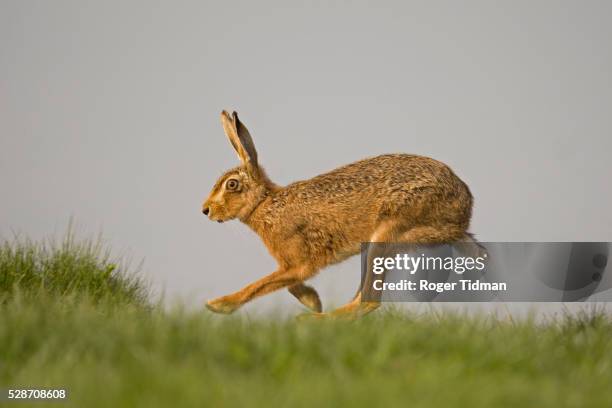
128, 353
69, 268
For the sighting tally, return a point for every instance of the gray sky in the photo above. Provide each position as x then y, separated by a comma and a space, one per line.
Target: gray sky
109, 112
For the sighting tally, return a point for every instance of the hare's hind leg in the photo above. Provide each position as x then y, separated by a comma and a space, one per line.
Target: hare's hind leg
307, 295
385, 232
395, 233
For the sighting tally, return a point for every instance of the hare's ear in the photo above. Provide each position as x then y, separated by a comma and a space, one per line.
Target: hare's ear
240, 138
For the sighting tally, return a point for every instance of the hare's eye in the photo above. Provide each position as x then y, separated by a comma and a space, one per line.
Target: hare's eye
231, 184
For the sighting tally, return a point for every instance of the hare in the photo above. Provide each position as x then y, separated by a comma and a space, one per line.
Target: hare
311, 224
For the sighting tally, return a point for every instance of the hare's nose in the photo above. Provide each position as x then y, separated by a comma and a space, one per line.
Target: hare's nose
205, 211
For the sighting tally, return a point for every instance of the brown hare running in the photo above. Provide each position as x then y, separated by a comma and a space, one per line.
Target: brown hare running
310, 224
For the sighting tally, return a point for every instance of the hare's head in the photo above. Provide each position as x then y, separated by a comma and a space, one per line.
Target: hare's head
239, 190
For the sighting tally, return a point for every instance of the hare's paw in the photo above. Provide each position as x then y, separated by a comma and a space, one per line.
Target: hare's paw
310, 298
307, 295
222, 305
313, 303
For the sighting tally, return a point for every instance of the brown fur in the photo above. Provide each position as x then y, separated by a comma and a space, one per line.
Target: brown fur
310, 224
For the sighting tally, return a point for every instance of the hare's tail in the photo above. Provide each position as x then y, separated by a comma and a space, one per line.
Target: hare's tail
469, 246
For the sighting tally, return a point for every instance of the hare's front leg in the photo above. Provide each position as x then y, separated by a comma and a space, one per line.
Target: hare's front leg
277, 280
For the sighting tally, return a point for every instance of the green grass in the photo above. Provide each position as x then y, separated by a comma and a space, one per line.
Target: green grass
67, 269
110, 347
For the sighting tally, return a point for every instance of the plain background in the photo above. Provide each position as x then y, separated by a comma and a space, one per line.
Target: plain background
109, 113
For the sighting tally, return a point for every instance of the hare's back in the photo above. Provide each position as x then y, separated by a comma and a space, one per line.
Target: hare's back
378, 176
345, 205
